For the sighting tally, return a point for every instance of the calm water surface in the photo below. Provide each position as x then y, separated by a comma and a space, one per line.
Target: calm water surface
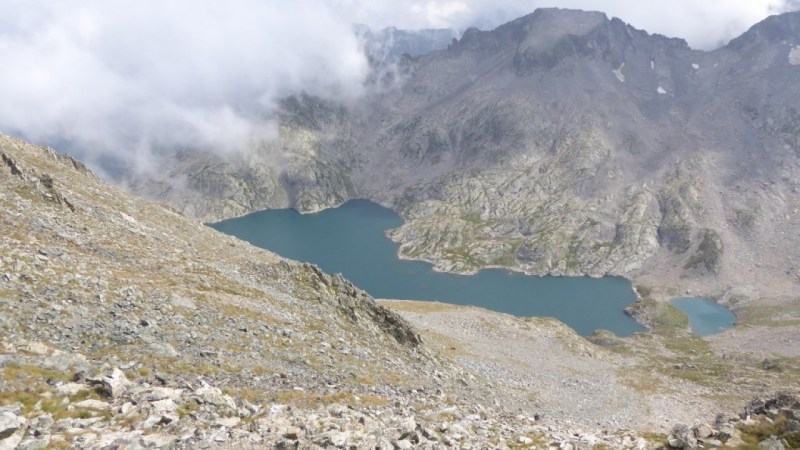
705, 317
351, 240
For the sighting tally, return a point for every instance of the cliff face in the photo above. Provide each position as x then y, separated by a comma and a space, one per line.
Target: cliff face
560, 143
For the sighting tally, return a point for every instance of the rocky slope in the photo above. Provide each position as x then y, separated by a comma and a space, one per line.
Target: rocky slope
127, 325
560, 143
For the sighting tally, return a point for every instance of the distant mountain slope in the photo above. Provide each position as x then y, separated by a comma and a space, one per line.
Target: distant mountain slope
562, 143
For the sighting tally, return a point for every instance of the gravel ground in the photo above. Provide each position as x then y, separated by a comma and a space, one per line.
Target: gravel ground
750, 340
540, 366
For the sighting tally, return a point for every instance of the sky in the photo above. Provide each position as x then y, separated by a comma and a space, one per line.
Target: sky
705, 24
135, 79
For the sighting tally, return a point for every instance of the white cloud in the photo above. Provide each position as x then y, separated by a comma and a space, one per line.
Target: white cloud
440, 14
139, 77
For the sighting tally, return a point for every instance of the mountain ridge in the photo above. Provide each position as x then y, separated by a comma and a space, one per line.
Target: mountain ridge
601, 123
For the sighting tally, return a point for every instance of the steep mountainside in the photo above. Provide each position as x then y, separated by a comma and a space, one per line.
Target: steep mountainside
560, 143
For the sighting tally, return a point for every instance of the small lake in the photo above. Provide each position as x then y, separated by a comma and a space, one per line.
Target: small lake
705, 317
351, 240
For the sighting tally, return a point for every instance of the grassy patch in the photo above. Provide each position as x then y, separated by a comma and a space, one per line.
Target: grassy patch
661, 317
689, 345
643, 382
419, 306
753, 433
644, 291
508, 259
706, 374
473, 217
26, 399
462, 255
24, 372
34, 401
787, 314
188, 409
654, 438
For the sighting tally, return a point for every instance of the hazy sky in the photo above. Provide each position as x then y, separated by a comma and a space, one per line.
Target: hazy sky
128, 77
703, 23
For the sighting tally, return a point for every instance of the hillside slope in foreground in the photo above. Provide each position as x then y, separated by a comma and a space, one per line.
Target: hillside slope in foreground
126, 325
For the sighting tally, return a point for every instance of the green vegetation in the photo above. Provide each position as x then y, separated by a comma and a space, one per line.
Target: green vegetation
753, 433
462, 255
473, 217
419, 306
644, 291
661, 317
787, 314
26, 372
709, 253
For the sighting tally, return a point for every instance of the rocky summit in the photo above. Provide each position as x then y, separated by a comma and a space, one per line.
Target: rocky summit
562, 143
127, 325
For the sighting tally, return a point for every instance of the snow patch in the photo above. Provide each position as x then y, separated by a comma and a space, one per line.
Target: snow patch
652, 65
695, 66
661, 90
794, 56
618, 73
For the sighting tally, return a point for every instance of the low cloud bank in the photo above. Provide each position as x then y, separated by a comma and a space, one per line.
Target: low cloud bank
129, 80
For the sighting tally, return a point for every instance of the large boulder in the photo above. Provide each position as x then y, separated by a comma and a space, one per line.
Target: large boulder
682, 437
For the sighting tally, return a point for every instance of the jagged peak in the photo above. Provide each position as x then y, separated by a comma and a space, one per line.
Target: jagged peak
547, 27
571, 21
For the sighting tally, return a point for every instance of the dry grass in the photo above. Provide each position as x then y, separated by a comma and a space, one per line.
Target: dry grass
643, 381
422, 307
787, 314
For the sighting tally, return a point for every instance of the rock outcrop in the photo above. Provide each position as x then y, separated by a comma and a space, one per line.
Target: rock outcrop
766, 423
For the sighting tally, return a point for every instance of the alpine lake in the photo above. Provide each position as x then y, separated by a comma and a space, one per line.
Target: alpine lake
351, 240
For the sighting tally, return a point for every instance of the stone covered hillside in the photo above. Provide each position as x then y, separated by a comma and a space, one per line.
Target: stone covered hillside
122, 321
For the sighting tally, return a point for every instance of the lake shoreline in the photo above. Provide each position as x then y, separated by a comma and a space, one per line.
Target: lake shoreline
353, 240
660, 294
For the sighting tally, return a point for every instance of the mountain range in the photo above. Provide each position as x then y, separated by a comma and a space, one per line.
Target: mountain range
562, 143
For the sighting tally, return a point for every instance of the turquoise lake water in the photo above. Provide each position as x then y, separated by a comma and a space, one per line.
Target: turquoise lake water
705, 317
351, 240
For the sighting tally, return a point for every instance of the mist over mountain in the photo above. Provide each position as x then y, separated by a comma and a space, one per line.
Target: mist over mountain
562, 143
391, 43
126, 87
